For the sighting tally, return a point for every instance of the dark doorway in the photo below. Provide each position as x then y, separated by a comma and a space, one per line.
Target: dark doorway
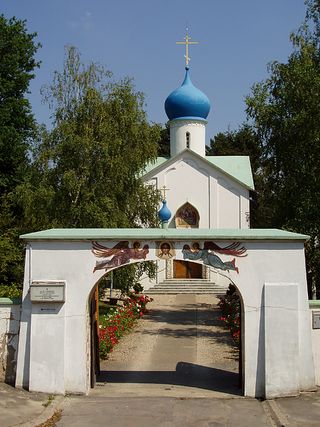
94, 324
187, 270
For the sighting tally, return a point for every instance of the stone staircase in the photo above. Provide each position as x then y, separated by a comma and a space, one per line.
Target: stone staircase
186, 286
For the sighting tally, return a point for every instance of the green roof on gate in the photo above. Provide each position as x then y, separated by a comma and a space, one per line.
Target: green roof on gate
162, 234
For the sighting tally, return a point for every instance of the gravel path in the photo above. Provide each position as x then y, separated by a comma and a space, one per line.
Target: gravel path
178, 349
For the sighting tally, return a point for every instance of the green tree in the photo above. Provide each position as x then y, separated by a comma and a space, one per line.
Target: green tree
17, 127
164, 142
86, 169
285, 112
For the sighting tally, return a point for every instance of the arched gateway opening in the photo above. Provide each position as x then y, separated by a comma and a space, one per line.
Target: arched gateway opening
267, 266
205, 356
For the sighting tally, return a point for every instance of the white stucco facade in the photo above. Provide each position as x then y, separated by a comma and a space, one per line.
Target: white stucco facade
315, 335
54, 344
187, 134
9, 336
221, 201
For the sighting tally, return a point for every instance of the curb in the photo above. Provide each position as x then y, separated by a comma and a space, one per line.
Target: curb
47, 413
274, 414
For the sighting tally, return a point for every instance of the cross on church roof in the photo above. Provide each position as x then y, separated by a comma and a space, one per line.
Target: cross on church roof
163, 191
187, 42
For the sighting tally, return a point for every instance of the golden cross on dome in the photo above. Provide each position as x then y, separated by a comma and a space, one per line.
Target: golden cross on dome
163, 190
187, 42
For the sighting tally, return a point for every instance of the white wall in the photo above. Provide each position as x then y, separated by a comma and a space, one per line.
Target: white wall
197, 131
9, 335
68, 352
65, 329
220, 201
315, 333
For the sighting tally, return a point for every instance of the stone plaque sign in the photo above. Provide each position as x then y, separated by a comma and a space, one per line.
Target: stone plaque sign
47, 291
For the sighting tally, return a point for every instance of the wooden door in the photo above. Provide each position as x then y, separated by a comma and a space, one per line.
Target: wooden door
180, 269
195, 270
187, 270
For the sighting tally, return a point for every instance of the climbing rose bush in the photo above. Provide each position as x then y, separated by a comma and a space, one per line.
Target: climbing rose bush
230, 308
119, 320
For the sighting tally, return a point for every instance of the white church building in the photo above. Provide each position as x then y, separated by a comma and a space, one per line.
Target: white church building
208, 192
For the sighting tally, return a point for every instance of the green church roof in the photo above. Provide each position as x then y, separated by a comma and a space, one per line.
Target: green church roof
237, 167
152, 165
162, 234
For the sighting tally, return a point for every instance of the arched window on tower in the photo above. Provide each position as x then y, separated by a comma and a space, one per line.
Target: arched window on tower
188, 139
187, 216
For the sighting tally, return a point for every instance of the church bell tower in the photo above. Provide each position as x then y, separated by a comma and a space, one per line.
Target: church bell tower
187, 109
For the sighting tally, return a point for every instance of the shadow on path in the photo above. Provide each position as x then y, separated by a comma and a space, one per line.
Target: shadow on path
186, 374
193, 319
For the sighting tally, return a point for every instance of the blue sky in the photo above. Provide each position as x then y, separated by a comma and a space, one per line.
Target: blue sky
237, 39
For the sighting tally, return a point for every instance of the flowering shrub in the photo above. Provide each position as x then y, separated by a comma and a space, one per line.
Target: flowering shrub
231, 308
139, 303
118, 321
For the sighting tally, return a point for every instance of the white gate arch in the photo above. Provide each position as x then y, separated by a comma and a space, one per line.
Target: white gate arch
267, 266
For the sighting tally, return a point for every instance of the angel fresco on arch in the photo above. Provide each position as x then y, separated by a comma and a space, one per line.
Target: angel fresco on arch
208, 254
118, 255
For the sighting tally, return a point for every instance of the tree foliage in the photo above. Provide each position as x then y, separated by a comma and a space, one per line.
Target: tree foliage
164, 142
86, 169
242, 142
17, 127
285, 113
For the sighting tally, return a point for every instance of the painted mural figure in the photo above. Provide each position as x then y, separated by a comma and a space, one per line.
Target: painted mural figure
208, 256
165, 251
187, 217
119, 255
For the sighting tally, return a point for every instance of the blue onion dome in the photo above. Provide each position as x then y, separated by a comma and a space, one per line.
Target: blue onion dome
187, 102
164, 213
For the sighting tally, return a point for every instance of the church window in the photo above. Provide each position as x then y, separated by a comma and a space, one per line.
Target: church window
188, 139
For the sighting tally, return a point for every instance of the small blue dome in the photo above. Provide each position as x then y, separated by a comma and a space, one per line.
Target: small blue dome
187, 102
164, 213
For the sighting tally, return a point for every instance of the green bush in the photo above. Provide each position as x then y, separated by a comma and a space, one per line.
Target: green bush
230, 307
138, 288
10, 291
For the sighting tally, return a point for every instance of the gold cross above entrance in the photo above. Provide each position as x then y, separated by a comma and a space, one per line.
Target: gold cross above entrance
187, 42
163, 191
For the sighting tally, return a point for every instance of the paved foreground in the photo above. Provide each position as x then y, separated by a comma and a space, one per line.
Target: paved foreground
178, 368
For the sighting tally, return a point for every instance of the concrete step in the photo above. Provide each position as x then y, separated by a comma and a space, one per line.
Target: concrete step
194, 286
192, 292
185, 291
185, 285
186, 281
